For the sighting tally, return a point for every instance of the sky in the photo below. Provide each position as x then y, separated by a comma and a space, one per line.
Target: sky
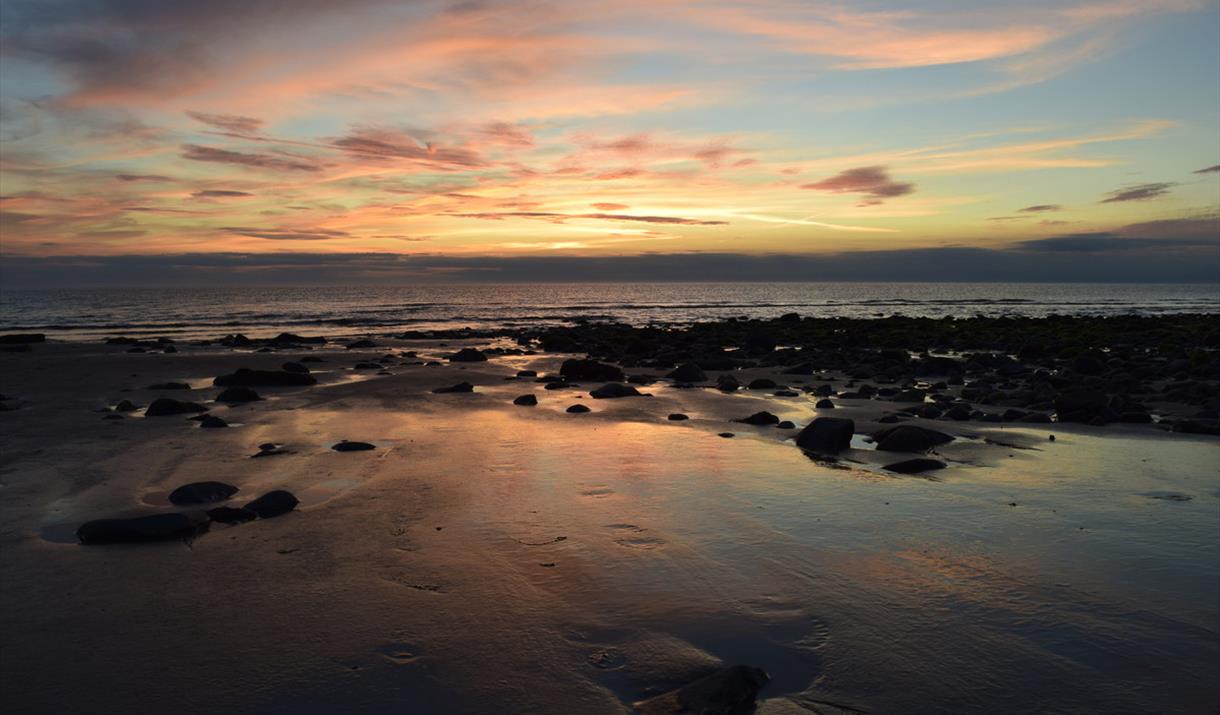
376, 140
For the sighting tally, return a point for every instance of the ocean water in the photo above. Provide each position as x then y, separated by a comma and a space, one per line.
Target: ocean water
207, 312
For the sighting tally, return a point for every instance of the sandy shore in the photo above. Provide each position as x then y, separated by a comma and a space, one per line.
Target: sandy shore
488, 557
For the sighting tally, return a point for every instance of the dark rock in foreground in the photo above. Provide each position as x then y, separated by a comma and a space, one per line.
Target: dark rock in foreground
155, 527
460, 387
231, 515
759, 418
201, 493
827, 435
909, 438
163, 406
212, 422
273, 503
526, 401
915, 466
126, 406
688, 372
346, 446
237, 394
577, 409
677, 417
22, 338
615, 389
468, 355
575, 369
729, 691
245, 377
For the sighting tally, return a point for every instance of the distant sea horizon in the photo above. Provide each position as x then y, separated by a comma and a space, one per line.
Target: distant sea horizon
192, 313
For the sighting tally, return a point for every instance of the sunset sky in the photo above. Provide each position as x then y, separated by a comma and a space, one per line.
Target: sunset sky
461, 132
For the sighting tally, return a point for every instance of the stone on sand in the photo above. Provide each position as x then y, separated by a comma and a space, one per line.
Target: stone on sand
759, 418
460, 387
212, 422
201, 493
910, 438
273, 503
163, 406
612, 390
576, 369
237, 394
915, 466
526, 400
827, 435
154, 527
345, 446
468, 355
729, 691
688, 372
577, 409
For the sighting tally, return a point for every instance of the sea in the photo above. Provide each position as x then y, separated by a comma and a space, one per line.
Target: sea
192, 313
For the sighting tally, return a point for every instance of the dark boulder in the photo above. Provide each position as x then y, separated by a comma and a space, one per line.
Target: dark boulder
163, 406
231, 515
201, 493
22, 338
273, 503
212, 422
759, 418
909, 438
293, 338
687, 372
345, 446
729, 691
527, 373
295, 367
1081, 405
526, 400
615, 389
762, 383
575, 369
824, 404
786, 424
468, 355
154, 527
915, 466
237, 394
460, 387
827, 435
169, 386
677, 417
727, 383
912, 395
245, 377
126, 406
577, 409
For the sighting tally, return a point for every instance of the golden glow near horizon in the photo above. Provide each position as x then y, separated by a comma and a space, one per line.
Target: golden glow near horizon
524, 128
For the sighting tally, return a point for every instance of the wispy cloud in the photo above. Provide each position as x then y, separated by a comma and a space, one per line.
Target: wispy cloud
872, 181
194, 152
1138, 193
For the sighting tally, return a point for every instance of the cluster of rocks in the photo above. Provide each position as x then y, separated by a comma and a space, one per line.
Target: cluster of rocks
187, 525
1090, 370
831, 435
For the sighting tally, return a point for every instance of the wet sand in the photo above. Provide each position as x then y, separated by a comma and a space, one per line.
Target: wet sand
487, 557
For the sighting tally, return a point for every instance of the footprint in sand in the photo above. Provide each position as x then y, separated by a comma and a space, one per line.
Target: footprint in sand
398, 654
633, 537
607, 659
597, 492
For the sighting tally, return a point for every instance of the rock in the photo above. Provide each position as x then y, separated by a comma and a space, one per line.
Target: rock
298, 339
577, 409
729, 691
574, 369
212, 422
237, 394
273, 503
126, 406
911, 395
827, 435
295, 367
154, 527
915, 466
688, 372
201, 493
1080, 405
460, 387
468, 355
786, 393
231, 515
361, 344
245, 377
727, 383
615, 389
169, 386
909, 438
527, 373
22, 338
163, 406
726, 435
759, 418
786, 424
367, 366
526, 401
345, 446
762, 383
677, 417
824, 404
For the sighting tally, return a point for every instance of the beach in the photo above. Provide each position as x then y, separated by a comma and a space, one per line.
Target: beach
488, 556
